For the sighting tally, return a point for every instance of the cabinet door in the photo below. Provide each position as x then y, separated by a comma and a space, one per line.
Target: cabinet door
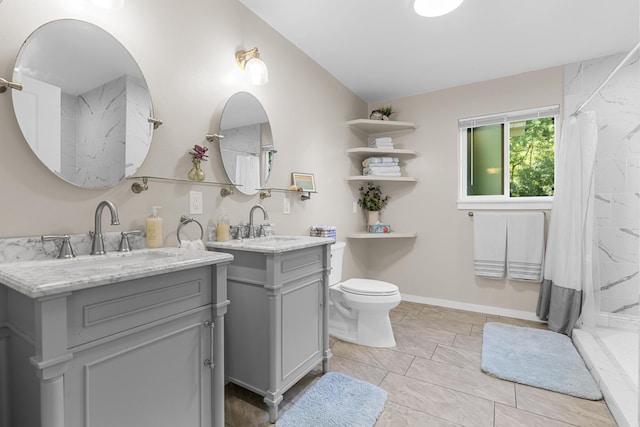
301, 327
153, 378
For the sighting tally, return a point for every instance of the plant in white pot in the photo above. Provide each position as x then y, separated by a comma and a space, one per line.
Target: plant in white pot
372, 201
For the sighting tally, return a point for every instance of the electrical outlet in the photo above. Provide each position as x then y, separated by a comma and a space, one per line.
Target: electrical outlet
286, 205
195, 202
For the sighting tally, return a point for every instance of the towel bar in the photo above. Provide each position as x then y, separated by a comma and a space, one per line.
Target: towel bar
186, 220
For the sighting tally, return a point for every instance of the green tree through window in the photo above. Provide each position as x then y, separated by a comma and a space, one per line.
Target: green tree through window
531, 157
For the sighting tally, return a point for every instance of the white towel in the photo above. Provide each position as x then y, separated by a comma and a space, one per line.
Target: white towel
489, 244
192, 245
375, 144
372, 170
377, 173
525, 246
383, 139
380, 161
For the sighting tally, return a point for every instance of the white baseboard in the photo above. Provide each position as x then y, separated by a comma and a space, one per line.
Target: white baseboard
485, 309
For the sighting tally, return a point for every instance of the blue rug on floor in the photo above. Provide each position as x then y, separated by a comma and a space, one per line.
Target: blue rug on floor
336, 400
536, 357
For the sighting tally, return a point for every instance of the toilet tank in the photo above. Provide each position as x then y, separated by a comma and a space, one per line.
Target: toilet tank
337, 252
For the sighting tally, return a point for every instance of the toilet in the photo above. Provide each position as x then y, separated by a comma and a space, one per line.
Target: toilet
359, 308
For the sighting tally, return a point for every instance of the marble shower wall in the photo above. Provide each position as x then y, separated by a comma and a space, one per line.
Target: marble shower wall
617, 173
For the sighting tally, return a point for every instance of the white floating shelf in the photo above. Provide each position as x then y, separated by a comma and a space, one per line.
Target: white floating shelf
382, 178
392, 235
365, 151
380, 127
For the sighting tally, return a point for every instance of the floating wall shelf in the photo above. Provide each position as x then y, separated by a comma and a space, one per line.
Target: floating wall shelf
380, 127
392, 235
304, 195
137, 187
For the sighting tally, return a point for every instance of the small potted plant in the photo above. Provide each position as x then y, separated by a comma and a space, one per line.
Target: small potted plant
382, 113
198, 154
372, 201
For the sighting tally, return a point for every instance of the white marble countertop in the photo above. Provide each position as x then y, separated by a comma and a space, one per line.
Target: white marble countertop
53, 276
271, 244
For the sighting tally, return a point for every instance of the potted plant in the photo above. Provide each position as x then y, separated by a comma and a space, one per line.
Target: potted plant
372, 201
198, 154
382, 113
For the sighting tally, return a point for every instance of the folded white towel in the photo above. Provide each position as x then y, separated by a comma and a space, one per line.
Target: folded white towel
381, 144
525, 246
489, 244
383, 139
378, 173
380, 161
192, 245
372, 170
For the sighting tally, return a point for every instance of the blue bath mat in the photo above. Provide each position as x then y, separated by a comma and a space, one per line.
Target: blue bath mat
535, 357
336, 400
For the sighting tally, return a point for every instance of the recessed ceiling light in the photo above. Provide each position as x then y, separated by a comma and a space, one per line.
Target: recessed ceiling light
432, 8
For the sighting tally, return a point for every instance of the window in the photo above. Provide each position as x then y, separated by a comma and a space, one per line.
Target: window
507, 160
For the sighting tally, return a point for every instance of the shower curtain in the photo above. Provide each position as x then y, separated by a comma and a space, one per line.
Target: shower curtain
568, 276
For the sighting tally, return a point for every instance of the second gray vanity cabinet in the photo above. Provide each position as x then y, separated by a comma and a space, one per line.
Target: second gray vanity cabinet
276, 324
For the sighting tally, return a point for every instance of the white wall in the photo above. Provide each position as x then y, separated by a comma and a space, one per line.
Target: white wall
438, 265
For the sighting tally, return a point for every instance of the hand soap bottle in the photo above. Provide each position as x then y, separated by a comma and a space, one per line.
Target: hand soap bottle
222, 229
154, 229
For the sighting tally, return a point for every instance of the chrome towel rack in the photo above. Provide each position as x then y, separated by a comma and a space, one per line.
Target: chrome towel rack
184, 220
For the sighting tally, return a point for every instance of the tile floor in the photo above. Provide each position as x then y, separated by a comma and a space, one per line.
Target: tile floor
433, 378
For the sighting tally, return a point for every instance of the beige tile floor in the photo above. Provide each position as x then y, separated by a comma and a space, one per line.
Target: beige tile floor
433, 378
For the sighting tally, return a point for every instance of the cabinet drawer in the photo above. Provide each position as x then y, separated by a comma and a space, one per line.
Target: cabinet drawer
103, 311
300, 263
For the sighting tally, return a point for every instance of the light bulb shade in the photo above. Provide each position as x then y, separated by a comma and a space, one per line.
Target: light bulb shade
432, 8
257, 72
256, 69
109, 4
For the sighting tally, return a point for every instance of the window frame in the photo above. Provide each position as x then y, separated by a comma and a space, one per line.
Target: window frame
504, 201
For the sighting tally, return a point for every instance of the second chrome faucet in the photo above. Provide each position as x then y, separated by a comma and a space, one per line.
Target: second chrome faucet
252, 231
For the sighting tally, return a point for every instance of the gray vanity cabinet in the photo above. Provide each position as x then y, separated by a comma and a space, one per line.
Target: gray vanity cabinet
135, 353
276, 324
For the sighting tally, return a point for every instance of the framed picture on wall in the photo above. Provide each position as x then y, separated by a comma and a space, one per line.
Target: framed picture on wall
304, 181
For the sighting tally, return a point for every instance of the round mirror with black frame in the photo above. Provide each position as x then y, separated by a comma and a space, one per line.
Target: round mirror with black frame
85, 106
246, 146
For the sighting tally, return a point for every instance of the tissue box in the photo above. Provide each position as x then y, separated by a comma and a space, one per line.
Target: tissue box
379, 228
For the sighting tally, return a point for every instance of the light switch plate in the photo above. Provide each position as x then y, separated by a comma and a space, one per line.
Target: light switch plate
195, 202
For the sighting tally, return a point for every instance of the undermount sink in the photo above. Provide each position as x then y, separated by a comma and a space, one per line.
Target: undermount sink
114, 259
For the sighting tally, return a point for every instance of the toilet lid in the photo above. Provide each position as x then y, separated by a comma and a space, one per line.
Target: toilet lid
368, 287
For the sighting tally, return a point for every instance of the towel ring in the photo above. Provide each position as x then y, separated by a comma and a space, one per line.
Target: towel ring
186, 220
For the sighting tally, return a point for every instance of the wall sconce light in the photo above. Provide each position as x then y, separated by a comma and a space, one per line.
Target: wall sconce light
256, 69
433, 8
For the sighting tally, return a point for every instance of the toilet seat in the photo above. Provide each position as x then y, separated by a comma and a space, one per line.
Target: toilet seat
368, 287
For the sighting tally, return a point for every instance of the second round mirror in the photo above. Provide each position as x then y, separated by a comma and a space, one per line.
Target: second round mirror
246, 146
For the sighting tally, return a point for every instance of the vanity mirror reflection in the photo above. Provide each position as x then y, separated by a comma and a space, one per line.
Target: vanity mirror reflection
246, 143
85, 108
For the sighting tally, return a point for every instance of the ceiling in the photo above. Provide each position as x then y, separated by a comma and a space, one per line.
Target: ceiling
381, 49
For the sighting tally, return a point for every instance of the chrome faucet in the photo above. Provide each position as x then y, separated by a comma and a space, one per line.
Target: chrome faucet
252, 231
97, 244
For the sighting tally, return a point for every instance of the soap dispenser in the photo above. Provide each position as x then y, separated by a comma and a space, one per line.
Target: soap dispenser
222, 229
154, 229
